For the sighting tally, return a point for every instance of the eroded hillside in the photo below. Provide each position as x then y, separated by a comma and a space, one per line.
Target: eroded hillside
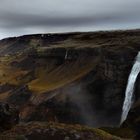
69, 78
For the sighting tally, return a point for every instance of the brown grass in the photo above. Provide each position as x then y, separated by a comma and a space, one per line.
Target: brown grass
62, 75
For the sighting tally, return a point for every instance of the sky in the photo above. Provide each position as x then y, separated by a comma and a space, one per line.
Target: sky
20, 17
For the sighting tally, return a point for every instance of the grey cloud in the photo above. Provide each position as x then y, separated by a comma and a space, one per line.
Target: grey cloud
34, 16
23, 20
17, 21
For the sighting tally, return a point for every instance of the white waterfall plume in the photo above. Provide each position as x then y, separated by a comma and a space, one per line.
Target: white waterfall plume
130, 88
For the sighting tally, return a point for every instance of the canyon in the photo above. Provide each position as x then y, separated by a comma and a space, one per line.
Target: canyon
71, 78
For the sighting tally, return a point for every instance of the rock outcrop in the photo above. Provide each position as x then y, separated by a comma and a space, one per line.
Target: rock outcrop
8, 117
55, 131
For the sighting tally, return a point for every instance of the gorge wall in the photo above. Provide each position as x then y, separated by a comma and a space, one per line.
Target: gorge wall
87, 87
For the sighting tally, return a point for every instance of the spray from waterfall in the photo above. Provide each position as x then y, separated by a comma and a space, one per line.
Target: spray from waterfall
130, 88
79, 96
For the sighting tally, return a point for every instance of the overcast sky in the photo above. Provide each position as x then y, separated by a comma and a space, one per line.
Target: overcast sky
19, 17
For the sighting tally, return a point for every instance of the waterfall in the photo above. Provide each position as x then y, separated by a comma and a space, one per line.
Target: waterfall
66, 54
130, 88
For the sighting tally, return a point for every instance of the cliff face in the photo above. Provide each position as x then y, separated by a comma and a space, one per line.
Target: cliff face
71, 78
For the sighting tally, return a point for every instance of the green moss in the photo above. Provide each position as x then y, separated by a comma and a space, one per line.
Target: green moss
20, 137
121, 132
8, 137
